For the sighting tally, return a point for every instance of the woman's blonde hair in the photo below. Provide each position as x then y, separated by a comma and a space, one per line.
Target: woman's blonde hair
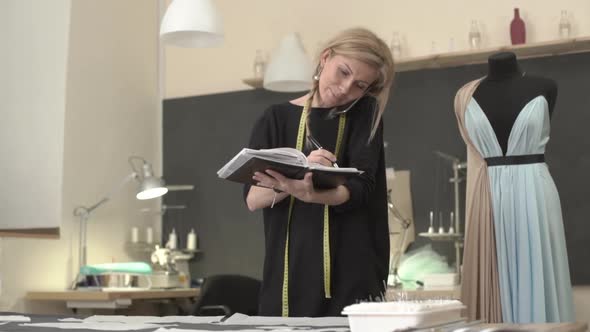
363, 45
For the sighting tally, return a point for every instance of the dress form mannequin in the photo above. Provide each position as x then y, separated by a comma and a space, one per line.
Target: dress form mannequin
504, 92
515, 266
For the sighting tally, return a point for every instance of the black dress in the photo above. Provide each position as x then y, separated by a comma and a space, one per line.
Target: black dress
359, 240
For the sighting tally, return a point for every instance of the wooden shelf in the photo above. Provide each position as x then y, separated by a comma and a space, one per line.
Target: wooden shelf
443, 236
532, 50
142, 246
151, 247
454, 59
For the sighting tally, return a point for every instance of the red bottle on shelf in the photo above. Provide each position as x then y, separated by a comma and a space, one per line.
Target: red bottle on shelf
517, 29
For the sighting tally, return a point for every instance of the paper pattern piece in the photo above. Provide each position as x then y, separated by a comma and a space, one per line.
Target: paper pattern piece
154, 319
240, 319
101, 326
14, 318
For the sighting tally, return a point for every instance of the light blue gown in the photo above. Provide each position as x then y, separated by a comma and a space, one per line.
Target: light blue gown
533, 267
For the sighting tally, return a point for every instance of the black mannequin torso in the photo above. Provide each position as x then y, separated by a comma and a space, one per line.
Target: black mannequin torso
504, 92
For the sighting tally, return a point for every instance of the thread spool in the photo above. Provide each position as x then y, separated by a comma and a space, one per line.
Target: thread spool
441, 229
191, 240
149, 235
172, 240
134, 235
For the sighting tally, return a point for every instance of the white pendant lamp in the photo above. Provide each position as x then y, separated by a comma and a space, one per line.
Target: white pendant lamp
289, 69
192, 23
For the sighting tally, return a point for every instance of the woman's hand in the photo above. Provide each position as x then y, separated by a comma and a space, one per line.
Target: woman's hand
303, 190
322, 157
300, 189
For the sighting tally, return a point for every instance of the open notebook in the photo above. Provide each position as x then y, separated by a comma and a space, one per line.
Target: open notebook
290, 162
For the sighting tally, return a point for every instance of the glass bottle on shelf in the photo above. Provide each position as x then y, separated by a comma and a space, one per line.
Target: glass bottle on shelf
396, 46
517, 29
474, 35
451, 44
565, 27
433, 49
259, 65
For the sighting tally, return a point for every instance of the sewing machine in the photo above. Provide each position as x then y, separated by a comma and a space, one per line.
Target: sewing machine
171, 268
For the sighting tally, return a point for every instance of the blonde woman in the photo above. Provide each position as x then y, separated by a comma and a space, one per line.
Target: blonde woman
326, 249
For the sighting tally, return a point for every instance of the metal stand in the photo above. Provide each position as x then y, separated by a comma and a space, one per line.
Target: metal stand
84, 213
456, 236
405, 223
455, 180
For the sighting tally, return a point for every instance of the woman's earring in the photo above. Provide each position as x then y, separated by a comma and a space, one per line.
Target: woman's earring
316, 77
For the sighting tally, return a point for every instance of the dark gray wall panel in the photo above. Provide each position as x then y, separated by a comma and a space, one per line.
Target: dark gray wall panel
202, 133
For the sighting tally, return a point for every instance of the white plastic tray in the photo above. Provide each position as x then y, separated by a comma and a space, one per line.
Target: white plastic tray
378, 319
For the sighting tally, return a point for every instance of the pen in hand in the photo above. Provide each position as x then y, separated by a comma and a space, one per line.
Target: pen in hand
318, 146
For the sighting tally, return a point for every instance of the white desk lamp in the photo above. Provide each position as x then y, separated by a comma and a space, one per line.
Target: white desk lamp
149, 187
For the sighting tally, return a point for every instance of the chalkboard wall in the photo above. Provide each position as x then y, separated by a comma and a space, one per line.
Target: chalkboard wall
202, 133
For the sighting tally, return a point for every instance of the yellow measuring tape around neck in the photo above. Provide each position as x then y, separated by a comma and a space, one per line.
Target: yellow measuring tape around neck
326, 239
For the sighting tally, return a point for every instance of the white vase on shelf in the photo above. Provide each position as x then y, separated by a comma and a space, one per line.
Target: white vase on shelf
474, 36
565, 27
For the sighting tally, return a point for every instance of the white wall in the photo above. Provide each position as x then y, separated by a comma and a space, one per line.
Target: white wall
259, 24
32, 99
32, 105
111, 112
